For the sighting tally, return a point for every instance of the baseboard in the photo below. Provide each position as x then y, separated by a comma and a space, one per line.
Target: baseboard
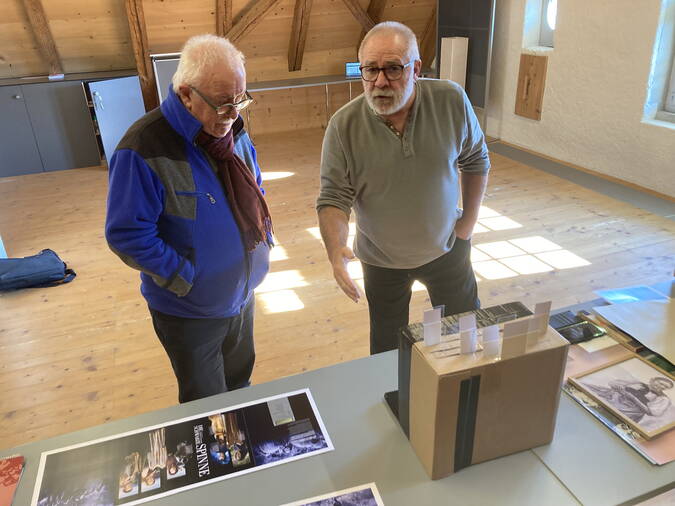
591, 172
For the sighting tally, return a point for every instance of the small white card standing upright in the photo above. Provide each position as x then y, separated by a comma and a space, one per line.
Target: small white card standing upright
432, 325
515, 338
491, 341
538, 322
468, 334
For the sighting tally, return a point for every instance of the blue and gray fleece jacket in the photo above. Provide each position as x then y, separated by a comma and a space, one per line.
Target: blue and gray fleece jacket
168, 216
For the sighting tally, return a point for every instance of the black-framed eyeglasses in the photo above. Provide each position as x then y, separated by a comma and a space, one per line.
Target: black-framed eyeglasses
226, 109
391, 72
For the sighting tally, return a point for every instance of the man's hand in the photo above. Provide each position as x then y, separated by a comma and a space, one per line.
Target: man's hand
473, 188
344, 280
464, 228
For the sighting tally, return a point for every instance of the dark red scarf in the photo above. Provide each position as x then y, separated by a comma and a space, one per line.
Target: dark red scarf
246, 200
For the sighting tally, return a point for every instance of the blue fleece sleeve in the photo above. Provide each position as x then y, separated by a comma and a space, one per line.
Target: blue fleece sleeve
135, 203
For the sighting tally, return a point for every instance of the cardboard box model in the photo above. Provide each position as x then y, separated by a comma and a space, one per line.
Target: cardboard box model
399, 400
501, 399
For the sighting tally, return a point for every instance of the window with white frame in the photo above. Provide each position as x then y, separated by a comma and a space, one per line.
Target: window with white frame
549, 11
660, 102
669, 103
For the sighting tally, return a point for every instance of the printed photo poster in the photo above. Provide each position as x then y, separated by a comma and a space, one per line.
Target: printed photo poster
363, 495
153, 462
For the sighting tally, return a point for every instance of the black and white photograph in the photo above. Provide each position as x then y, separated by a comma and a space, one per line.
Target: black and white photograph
154, 462
363, 495
636, 391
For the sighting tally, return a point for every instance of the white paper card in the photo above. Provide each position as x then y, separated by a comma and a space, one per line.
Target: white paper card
432, 333
469, 341
516, 328
537, 324
467, 322
433, 315
597, 344
491, 348
490, 333
542, 308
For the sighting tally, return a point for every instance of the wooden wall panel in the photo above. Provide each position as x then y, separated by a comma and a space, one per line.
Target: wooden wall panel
94, 35
332, 26
315, 63
19, 56
90, 34
171, 22
531, 84
296, 108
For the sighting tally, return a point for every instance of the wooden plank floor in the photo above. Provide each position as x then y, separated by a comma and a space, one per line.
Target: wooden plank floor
85, 353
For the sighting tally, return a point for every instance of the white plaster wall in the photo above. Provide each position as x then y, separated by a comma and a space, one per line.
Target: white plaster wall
596, 87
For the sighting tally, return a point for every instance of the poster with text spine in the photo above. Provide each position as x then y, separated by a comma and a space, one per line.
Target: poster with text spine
145, 464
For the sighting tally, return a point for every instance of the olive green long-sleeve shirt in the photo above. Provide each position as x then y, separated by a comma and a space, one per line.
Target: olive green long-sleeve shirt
405, 189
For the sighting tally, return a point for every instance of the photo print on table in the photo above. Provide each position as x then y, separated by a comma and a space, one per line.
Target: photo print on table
634, 390
363, 495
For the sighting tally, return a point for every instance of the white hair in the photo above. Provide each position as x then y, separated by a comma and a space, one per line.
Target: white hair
201, 52
396, 28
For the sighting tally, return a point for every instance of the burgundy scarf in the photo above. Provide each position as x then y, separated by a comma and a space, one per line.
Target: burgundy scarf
246, 200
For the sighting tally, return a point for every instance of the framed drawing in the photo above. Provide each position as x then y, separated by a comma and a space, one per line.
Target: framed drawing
634, 390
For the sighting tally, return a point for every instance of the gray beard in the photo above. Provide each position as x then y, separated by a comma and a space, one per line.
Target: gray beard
400, 99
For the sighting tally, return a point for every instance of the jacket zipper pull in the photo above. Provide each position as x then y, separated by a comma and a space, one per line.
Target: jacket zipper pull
213, 201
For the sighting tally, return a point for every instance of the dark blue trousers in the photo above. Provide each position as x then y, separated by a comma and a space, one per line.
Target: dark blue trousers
208, 355
449, 280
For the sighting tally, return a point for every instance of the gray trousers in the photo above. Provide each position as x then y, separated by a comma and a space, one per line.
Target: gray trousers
208, 355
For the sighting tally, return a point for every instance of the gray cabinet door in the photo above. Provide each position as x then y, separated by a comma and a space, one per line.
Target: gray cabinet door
118, 104
62, 125
18, 151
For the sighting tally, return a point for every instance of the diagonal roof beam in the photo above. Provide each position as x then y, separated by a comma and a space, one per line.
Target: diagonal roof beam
359, 14
250, 19
223, 16
428, 40
139, 41
296, 47
43, 35
375, 10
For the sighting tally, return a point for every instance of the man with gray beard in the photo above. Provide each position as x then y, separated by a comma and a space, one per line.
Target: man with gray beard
400, 155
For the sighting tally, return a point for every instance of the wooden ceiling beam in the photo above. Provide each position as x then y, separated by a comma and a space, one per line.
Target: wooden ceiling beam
428, 41
139, 41
296, 46
223, 16
43, 35
359, 14
375, 11
250, 19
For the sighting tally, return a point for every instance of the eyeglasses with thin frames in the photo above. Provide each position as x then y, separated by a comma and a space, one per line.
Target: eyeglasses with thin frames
391, 72
226, 109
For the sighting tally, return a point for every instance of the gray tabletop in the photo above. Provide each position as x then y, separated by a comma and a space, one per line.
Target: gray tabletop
595, 465
370, 447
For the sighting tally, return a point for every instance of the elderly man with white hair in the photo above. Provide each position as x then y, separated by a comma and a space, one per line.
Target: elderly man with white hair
185, 207
400, 155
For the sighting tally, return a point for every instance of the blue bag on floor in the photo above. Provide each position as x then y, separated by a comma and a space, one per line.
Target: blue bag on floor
41, 270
